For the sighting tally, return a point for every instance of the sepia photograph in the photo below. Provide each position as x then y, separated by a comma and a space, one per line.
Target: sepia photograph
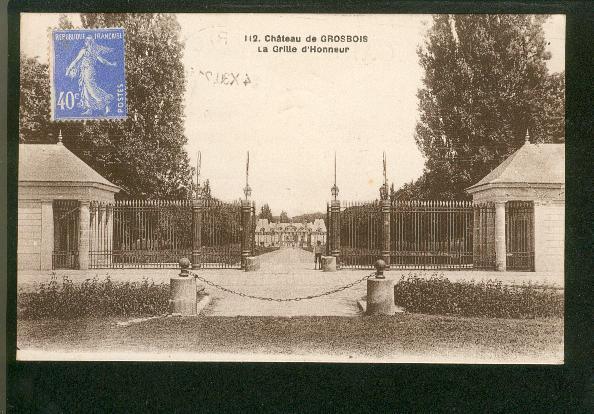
352, 188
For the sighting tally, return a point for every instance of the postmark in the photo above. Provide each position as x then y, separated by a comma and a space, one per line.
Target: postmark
88, 80
226, 78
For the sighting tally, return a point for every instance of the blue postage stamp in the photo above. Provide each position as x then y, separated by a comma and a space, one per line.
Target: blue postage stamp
88, 74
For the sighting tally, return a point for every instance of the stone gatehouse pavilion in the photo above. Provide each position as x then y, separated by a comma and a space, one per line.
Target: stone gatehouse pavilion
55, 191
532, 177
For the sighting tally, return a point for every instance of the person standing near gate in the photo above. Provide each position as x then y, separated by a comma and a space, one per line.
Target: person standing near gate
318, 255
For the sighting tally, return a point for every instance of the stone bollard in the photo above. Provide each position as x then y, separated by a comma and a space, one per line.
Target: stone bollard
252, 264
380, 292
182, 291
328, 263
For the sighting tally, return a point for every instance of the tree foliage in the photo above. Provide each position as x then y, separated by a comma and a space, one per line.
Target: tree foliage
266, 213
34, 123
284, 217
309, 217
205, 190
143, 154
485, 84
64, 22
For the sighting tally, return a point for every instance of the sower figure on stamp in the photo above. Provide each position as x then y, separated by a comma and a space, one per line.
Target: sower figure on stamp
318, 249
92, 97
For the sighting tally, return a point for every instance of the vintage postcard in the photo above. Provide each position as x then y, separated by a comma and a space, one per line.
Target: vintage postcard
291, 187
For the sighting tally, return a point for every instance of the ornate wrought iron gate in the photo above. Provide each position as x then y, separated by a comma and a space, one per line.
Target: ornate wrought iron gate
146, 233
519, 235
157, 233
215, 234
221, 235
66, 233
360, 234
431, 235
406, 234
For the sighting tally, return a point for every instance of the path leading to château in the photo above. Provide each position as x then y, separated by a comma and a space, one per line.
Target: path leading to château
286, 261
286, 273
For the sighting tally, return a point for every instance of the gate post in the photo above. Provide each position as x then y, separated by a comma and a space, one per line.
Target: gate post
386, 205
246, 211
380, 293
196, 233
476, 237
98, 237
328, 230
182, 291
335, 226
252, 230
385, 212
84, 235
109, 234
500, 249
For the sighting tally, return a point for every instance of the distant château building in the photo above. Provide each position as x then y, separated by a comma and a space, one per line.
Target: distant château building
290, 234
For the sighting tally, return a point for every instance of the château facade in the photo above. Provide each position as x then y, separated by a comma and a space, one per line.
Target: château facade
290, 234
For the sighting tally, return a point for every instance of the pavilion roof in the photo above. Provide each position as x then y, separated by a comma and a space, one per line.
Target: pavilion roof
55, 163
530, 164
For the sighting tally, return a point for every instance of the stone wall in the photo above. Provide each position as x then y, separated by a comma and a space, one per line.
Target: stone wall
549, 229
29, 235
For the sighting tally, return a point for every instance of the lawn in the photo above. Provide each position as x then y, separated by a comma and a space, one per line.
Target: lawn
403, 337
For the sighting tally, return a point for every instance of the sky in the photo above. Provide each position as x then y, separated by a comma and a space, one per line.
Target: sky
294, 111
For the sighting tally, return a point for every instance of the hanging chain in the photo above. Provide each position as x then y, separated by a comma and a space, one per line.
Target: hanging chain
296, 299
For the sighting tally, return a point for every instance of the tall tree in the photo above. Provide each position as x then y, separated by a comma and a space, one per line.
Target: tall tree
147, 148
485, 84
34, 112
265, 213
145, 153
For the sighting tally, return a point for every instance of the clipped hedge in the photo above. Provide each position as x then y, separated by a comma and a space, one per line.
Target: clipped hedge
93, 298
439, 296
